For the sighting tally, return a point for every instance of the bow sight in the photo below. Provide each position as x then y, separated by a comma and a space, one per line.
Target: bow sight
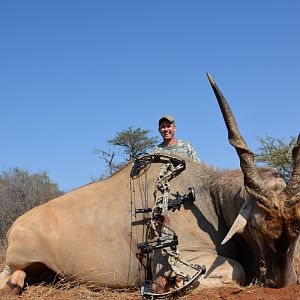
173, 204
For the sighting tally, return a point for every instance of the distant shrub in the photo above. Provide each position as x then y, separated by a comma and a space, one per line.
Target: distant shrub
275, 153
19, 192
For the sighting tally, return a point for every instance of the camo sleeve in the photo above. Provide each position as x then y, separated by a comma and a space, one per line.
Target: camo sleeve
182, 147
188, 150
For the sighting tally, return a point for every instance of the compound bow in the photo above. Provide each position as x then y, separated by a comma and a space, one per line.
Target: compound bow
165, 239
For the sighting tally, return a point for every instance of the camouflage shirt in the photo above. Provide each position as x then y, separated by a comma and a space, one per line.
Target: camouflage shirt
181, 147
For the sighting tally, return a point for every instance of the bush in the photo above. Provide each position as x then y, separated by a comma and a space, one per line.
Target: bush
19, 192
275, 153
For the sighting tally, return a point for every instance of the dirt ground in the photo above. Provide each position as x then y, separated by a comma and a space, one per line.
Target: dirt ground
63, 291
81, 292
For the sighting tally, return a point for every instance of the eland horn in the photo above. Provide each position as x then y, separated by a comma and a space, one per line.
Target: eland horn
252, 180
292, 191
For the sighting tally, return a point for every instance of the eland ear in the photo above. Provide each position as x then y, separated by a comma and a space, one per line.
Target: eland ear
240, 221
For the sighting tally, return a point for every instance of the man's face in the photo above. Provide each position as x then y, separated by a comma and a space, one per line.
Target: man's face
167, 130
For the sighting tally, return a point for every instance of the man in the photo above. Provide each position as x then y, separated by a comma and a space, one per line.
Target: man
167, 129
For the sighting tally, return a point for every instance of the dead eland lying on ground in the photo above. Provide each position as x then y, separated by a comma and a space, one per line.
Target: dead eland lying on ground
88, 233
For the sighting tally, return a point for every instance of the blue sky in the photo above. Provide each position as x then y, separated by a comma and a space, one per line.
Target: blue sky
73, 73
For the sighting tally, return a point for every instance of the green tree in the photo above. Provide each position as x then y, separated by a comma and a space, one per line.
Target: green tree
20, 191
126, 145
275, 153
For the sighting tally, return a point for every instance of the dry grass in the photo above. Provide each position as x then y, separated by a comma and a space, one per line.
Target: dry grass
67, 290
70, 291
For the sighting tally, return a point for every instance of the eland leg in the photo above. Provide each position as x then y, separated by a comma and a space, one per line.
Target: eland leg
11, 284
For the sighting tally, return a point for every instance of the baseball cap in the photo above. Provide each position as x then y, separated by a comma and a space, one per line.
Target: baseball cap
166, 117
